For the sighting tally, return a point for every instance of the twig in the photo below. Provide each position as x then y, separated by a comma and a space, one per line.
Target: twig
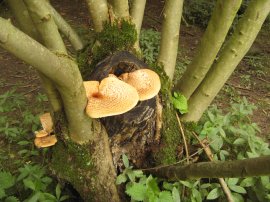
184, 20
183, 136
263, 80
221, 180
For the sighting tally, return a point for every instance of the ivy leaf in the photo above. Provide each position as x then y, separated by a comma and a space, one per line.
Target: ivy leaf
215, 193
6, 180
136, 191
122, 178
180, 102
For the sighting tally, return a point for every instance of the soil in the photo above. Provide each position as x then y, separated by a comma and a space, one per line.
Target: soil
248, 80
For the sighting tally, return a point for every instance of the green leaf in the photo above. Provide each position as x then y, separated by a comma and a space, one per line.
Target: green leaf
237, 189
180, 102
122, 178
22, 143
136, 191
152, 184
125, 160
6, 180
58, 191
176, 195
2, 193
29, 184
186, 183
12, 199
65, 197
239, 141
215, 193
165, 196
248, 182
232, 181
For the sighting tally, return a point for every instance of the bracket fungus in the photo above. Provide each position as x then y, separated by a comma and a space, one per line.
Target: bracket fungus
46, 141
43, 137
111, 97
146, 82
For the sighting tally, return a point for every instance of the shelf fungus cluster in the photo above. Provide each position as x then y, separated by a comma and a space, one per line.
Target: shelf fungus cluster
44, 137
117, 95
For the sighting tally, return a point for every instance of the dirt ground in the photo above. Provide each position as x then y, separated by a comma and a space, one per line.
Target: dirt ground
251, 79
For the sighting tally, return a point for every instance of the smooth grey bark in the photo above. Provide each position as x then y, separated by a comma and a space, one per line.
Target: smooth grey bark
137, 13
232, 53
45, 25
259, 166
98, 10
66, 29
170, 35
120, 8
22, 17
210, 44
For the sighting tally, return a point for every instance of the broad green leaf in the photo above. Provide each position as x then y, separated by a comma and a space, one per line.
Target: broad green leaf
165, 196
63, 198
23, 143
152, 184
237, 189
29, 184
237, 197
176, 195
180, 102
2, 193
196, 194
6, 180
125, 160
232, 181
136, 191
186, 183
248, 182
122, 178
215, 193
138, 173
239, 141
206, 185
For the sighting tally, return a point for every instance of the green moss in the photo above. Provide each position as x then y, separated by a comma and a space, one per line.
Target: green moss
72, 162
170, 134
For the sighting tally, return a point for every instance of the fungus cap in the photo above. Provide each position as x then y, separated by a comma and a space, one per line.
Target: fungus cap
112, 98
46, 122
91, 87
46, 141
41, 133
146, 82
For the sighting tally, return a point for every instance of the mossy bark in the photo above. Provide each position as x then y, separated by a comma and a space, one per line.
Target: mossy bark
210, 44
235, 49
170, 35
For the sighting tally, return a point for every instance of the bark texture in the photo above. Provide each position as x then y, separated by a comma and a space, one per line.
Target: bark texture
210, 44
170, 35
233, 52
98, 10
239, 168
120, 8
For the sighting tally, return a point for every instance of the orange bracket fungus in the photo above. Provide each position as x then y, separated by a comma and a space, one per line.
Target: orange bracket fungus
111, 97
146, 82
46, 141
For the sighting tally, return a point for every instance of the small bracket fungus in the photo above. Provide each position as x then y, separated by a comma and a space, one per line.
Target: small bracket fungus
146, 82
46, 122
46, 141
41, 133
111, 97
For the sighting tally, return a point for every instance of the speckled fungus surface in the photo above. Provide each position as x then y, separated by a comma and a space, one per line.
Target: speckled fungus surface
111, 97
41, 133
146, 82
46, 141
46, 122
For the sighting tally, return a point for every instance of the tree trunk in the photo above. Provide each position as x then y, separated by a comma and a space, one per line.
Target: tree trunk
170, 35
259, 166
211, 42
98, 10
120, 8
236, 48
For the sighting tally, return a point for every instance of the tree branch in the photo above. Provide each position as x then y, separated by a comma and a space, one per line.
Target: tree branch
220, 169
170, 35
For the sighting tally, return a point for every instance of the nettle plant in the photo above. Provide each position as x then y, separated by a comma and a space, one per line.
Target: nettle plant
231, 136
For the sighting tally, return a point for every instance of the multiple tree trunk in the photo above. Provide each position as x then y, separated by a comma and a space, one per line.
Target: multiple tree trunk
42, 47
